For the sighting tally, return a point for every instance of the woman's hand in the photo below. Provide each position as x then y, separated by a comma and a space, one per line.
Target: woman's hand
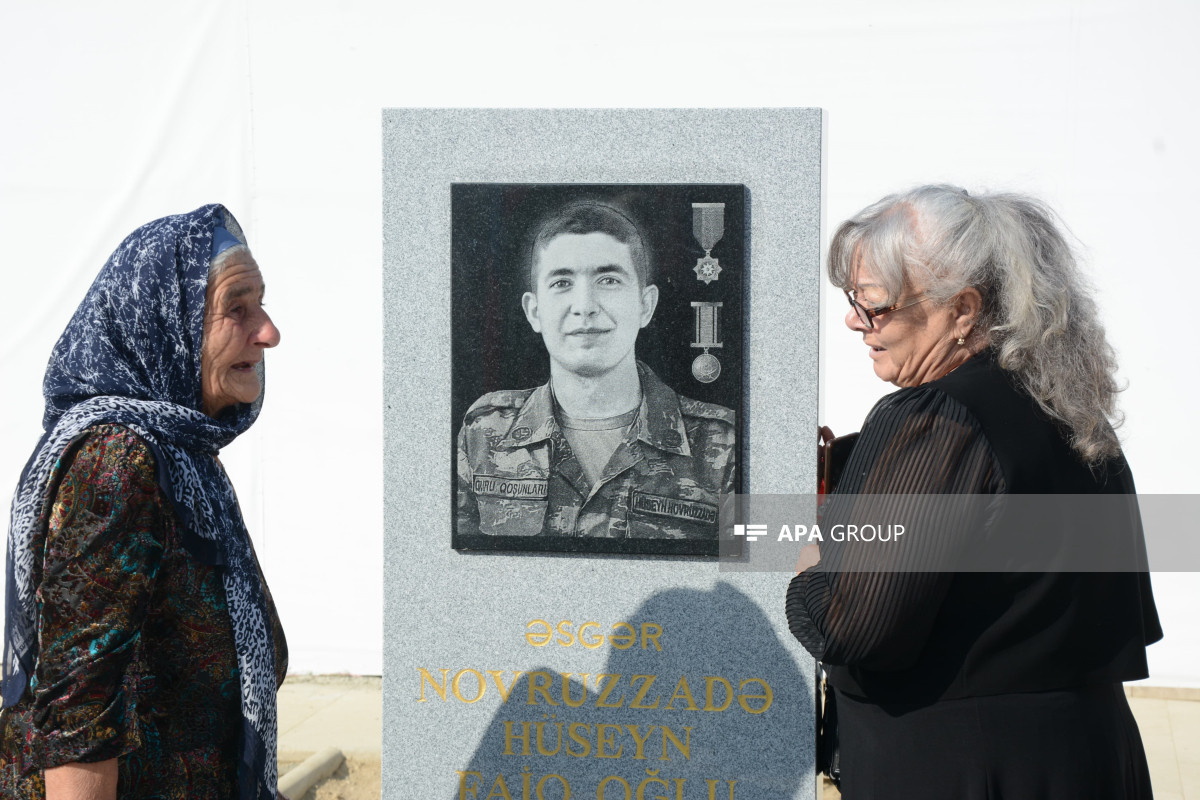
810, 556
79, 781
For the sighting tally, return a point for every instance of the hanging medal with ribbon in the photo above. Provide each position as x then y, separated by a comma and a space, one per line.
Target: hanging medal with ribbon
706, 368
708, 226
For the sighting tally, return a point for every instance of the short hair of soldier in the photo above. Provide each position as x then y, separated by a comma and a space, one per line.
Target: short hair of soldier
586, 217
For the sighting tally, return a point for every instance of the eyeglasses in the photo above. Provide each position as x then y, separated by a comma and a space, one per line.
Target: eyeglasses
867, 315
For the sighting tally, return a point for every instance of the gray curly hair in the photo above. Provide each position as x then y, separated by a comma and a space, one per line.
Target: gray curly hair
220, 262
1038, 312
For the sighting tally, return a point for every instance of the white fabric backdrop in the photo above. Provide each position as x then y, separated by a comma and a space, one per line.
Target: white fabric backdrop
115, 116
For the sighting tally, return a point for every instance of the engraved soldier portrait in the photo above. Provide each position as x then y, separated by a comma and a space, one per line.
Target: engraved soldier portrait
604, 448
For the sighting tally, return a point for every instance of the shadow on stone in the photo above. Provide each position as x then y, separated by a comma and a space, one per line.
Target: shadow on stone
720, 712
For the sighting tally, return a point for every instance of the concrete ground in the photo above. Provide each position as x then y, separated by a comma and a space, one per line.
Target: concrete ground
346, 712
1170, 726
322, 711
319, 711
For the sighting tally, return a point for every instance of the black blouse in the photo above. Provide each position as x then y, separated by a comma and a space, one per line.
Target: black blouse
899, 624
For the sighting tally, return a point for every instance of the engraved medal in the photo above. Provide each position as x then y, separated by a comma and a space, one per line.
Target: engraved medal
706, 368
708, 226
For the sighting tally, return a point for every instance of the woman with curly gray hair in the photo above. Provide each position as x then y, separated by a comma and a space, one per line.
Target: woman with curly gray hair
984, 683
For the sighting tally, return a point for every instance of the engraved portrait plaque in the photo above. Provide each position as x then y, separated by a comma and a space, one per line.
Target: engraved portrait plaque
534, 321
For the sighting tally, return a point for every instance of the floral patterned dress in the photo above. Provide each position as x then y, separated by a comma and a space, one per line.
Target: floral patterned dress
136, 657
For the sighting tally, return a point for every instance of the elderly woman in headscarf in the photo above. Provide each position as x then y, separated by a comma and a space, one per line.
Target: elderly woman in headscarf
981, 683
142, 649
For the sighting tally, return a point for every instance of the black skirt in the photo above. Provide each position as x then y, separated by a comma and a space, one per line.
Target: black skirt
1061, 745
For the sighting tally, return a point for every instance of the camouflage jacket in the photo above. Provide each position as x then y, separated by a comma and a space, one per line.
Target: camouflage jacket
517, 475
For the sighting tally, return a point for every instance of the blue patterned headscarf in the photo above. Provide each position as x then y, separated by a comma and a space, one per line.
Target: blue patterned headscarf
131, 355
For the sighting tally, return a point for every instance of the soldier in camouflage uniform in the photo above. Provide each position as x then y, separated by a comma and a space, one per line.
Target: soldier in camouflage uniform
517, 474
605, 449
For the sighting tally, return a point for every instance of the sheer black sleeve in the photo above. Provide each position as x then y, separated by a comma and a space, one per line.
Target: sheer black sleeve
873, 605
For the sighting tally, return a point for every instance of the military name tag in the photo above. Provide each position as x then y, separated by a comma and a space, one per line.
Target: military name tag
511, 488
693, 510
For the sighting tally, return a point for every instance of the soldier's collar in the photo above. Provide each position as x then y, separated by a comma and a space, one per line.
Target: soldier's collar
660, 423
534, 422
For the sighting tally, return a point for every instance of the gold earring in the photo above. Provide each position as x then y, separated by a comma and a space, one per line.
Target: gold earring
961, 340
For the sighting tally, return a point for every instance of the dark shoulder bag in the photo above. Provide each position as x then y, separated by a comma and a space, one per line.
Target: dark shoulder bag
829, 756
832, 454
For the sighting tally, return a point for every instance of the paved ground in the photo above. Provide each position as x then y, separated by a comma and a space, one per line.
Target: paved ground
1171, 733
322, 711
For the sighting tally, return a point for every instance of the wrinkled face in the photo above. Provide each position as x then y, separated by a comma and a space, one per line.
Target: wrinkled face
909, 346
587, 302
236, 331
